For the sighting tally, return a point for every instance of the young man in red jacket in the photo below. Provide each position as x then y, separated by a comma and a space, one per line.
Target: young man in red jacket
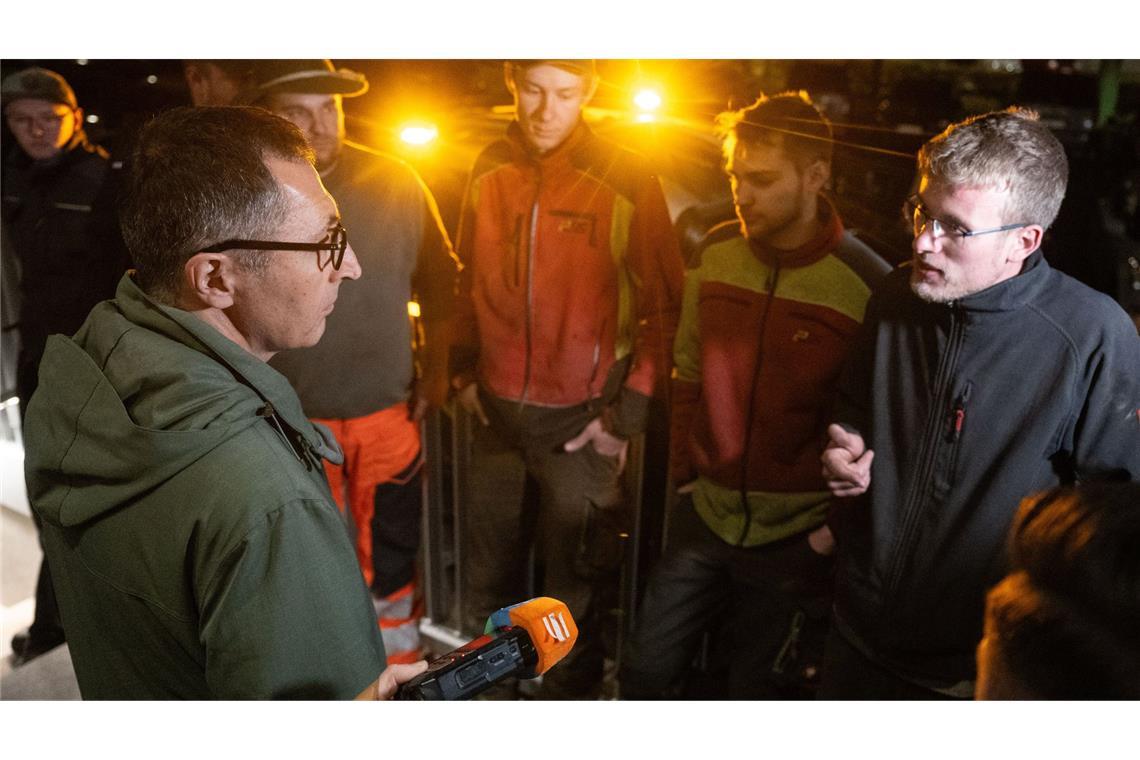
768, 315
573, 275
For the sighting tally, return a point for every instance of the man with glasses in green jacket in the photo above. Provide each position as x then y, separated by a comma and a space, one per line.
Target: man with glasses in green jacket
196, 549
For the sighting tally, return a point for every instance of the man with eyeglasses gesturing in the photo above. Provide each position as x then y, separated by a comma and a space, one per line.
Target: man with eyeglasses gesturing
195, 547
981, 375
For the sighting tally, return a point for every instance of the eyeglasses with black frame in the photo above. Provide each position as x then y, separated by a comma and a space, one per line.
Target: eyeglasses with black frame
920, 218
336, 247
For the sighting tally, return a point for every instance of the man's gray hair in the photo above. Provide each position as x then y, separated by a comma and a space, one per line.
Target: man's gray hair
1006, 150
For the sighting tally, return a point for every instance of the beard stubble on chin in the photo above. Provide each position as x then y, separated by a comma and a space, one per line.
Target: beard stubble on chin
763, 230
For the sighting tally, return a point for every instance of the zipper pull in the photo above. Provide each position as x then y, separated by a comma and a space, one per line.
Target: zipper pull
958, 414
959, 419
270, 414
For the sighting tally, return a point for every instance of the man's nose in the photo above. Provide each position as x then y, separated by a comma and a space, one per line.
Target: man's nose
925, 242
545, 109
350, 268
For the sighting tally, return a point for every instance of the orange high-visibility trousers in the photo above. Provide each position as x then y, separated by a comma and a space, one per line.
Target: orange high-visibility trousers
380, 487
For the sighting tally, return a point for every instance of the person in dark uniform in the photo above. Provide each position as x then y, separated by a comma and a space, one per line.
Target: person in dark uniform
51, 178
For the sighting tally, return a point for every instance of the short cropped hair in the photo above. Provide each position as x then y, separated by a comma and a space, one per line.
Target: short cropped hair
1066, 621
587, 68
1006, 150
788, 119
198, 177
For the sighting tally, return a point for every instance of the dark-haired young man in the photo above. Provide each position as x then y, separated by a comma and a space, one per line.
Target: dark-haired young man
1065, 622
196, 550
766, 323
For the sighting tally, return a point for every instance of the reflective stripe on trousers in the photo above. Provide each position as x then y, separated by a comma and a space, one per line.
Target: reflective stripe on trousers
398, 616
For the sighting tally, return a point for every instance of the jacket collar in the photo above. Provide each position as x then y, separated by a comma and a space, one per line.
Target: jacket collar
266, 382
558, 158
1013, 293
825, 240
78, 148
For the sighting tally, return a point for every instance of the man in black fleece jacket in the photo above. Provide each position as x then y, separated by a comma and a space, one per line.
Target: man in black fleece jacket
982, 375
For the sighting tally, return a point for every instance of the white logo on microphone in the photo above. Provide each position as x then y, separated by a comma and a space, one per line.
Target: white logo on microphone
556, 626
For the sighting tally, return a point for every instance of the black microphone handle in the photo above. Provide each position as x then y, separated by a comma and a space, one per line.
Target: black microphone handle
475, 667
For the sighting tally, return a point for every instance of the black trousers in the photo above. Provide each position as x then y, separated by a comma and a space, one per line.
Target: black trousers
849, 674
527, 494
770, 603
46, 628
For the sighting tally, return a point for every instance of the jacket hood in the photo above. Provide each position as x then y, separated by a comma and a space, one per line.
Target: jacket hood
142, 391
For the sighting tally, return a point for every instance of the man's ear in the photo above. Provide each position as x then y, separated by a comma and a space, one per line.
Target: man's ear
817, 174
1026, 241
209, 280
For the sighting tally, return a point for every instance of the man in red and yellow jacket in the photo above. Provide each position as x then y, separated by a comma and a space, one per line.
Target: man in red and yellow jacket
573, 279
767, 318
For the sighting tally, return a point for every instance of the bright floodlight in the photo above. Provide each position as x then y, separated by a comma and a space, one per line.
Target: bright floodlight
647, 100
419, 134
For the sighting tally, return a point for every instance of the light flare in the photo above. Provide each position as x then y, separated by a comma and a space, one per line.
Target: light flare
647, 99
419, 134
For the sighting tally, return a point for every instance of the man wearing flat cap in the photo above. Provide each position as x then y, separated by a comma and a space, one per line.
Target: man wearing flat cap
573, 274
361, 380
51, 178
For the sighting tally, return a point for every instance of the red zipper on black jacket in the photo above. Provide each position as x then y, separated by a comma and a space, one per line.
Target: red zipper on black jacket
957, 415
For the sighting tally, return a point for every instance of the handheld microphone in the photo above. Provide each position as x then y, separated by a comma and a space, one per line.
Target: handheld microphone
523, 641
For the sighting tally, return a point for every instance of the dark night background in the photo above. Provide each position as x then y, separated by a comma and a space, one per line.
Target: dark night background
882, 110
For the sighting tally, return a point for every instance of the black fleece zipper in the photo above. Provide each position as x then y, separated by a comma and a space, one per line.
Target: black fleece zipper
932, 439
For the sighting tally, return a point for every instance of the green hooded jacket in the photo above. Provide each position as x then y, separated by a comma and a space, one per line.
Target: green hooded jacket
194, 545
